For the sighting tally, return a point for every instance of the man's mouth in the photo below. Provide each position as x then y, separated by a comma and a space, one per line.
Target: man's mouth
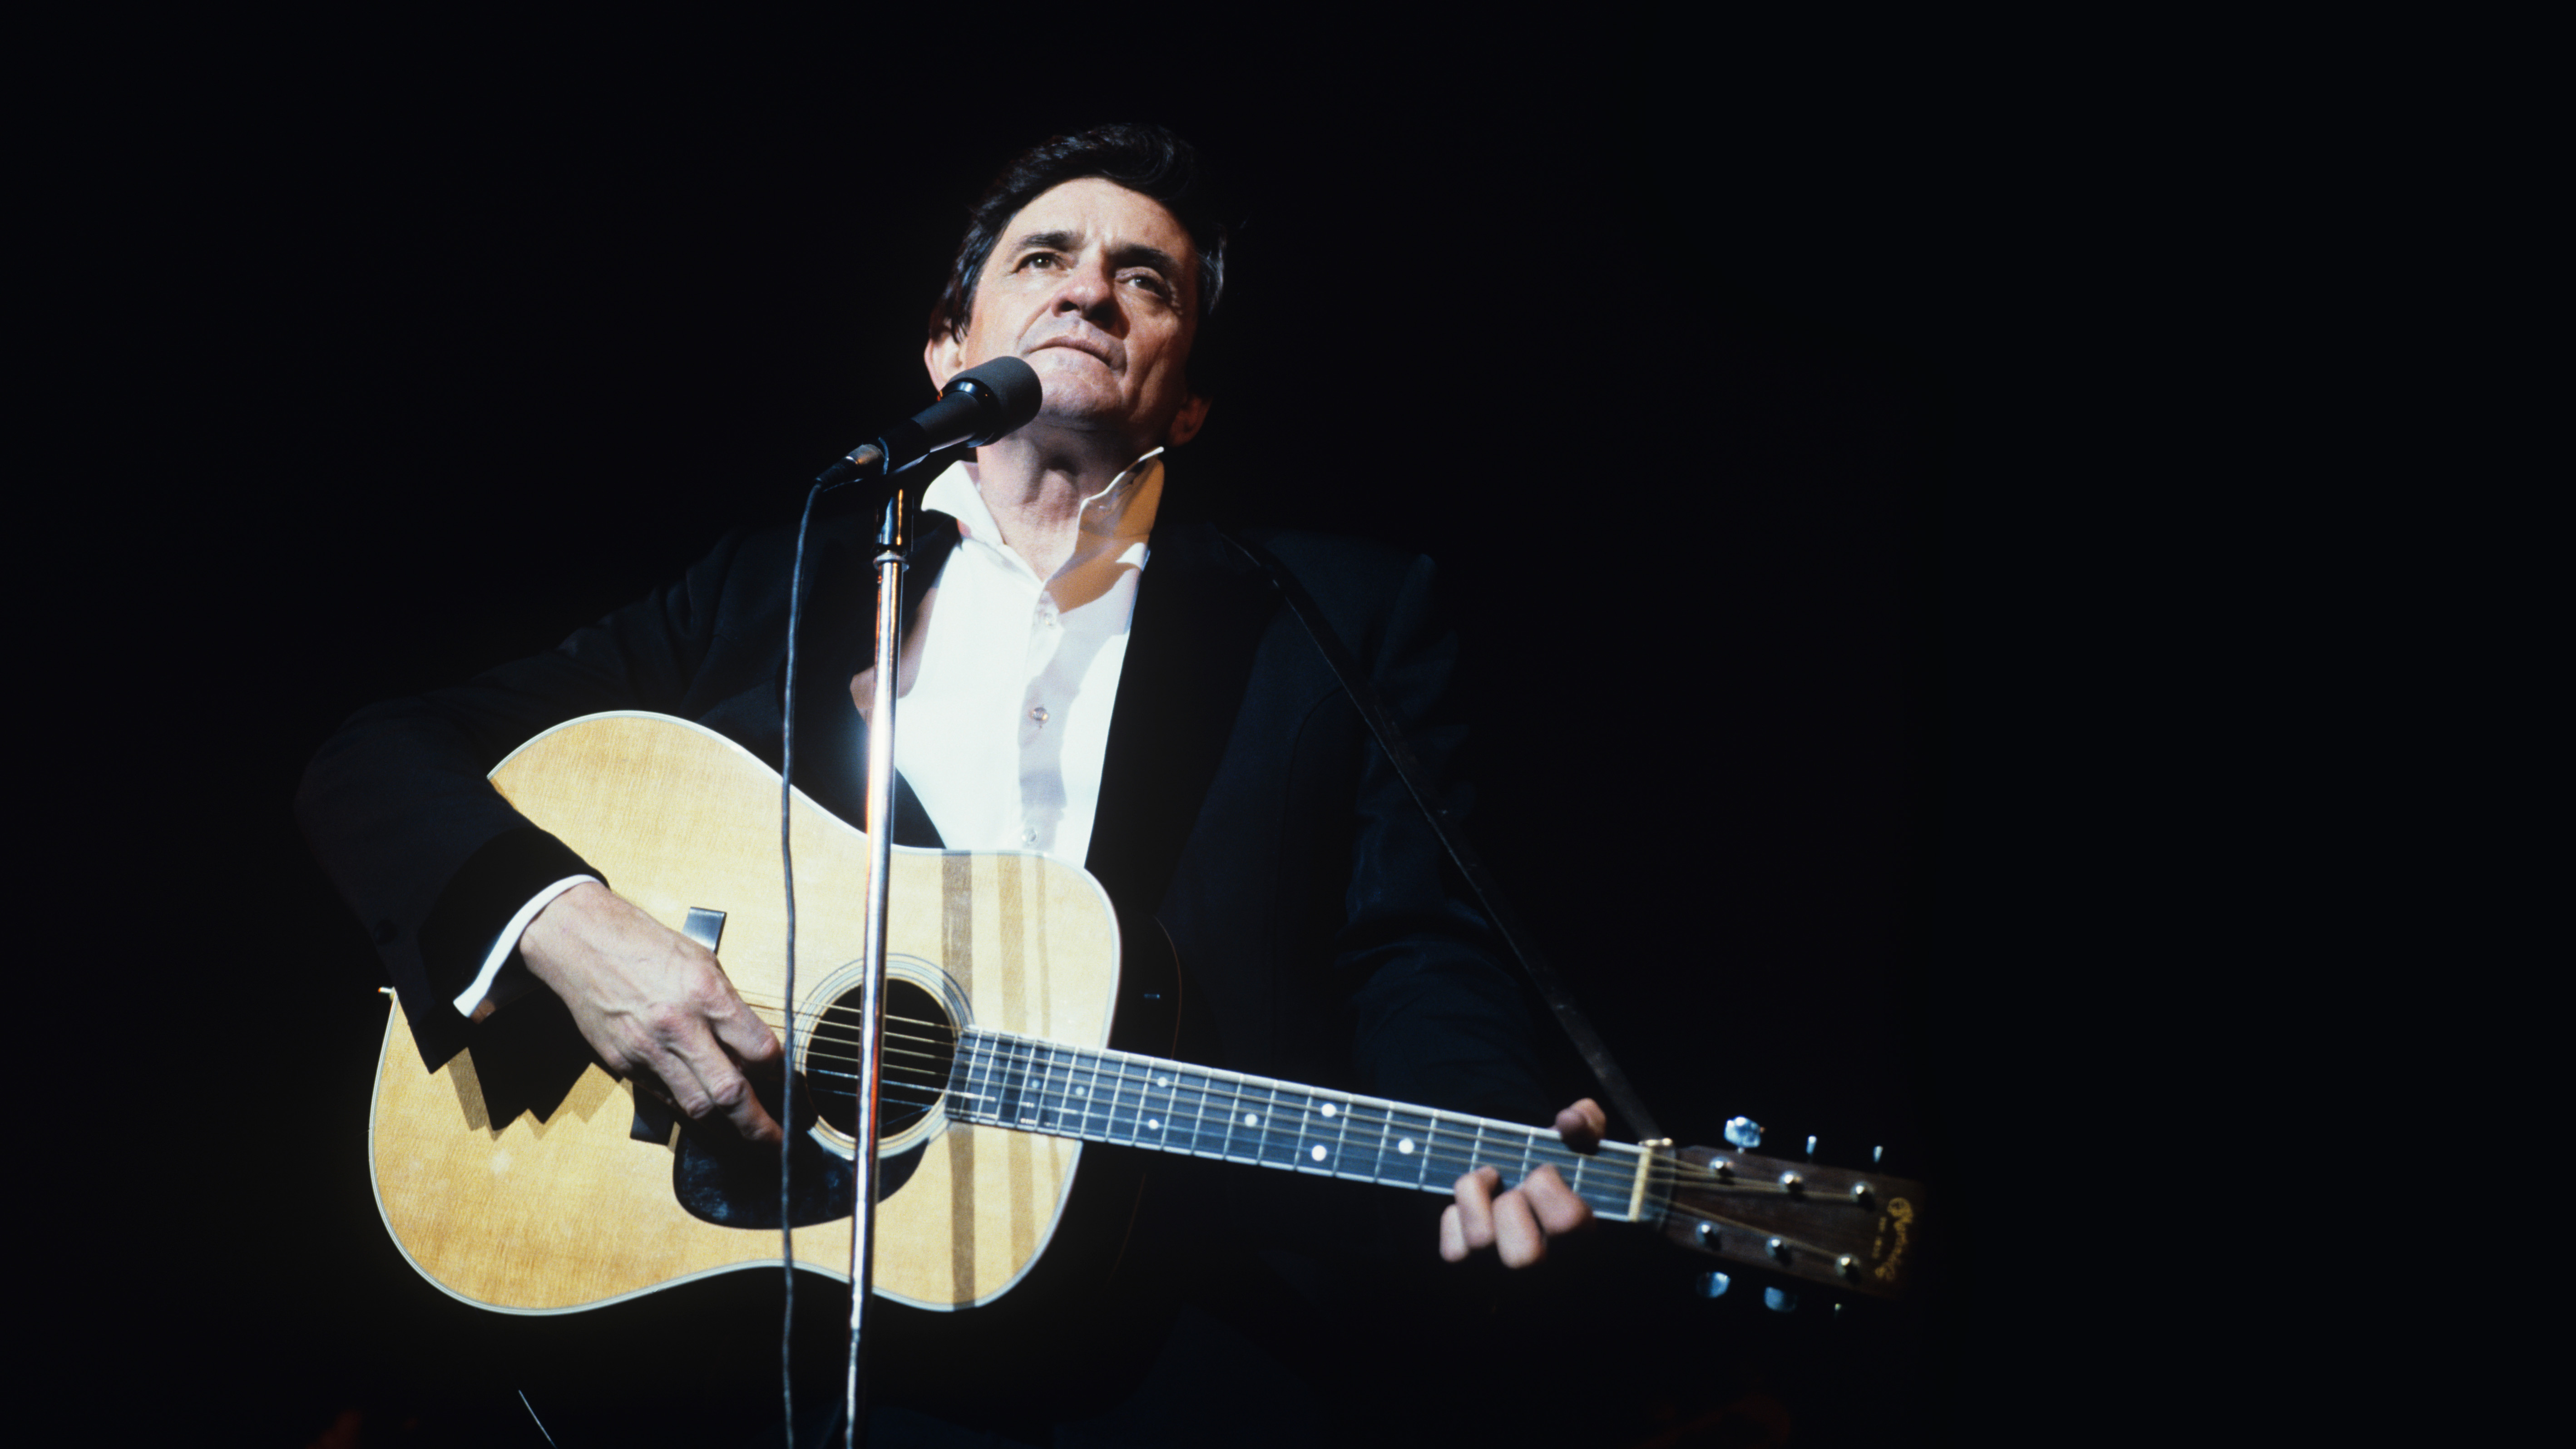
1083, 345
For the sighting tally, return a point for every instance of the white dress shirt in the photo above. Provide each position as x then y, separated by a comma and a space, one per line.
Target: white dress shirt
1005, 689
1004, 718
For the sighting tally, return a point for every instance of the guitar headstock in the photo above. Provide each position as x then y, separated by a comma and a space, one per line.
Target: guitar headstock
1853, 1230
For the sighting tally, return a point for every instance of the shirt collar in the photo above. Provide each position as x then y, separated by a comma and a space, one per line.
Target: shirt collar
1122, 512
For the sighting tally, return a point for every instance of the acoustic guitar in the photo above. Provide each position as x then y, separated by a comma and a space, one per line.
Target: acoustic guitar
1003, 970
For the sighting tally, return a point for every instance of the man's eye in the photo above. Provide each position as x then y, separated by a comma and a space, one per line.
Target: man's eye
1151, 282
1038, 259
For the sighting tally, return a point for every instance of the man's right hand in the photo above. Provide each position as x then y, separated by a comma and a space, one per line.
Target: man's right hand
655, 1006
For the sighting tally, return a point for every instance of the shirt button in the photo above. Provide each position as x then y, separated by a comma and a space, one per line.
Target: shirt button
1038, 712
1029, 836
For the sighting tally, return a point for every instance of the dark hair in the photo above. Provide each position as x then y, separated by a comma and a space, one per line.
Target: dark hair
1143, 158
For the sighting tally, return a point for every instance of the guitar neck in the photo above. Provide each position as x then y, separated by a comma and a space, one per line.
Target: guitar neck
1029, 1085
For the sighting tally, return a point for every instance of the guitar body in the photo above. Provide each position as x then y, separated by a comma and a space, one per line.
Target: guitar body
552, 1210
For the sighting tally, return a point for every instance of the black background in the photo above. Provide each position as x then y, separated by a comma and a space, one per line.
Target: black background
1775, 407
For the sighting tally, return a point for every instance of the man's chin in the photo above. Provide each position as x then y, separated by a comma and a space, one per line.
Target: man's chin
1076, 406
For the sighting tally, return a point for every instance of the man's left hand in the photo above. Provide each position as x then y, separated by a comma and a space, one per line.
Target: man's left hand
1517, 1224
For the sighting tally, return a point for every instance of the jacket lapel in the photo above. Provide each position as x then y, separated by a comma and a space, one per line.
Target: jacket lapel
1200, 614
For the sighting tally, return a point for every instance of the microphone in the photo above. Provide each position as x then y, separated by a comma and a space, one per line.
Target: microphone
978, 405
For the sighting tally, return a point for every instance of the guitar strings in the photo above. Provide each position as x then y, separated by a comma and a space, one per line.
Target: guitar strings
928, 1092
1614, 1197
1682, 1211
1005, 1053
1579, 1170
1355, 1113
1434, 1157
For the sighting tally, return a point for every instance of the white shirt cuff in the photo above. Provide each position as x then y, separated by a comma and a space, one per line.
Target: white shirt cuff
489, 989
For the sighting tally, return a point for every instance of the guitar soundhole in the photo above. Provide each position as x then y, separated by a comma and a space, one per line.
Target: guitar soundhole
920, 1046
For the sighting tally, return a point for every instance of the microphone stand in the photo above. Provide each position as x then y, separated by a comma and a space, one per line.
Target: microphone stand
975, 407
894, 554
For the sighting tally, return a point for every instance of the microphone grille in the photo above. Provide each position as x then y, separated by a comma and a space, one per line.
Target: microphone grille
1011, 387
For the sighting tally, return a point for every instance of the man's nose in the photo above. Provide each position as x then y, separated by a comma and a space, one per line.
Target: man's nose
1088, 291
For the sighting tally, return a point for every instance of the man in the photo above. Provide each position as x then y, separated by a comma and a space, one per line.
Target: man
1084, 674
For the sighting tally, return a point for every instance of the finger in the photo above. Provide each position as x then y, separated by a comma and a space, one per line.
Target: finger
1516, 1235
1475, 1207
740, 1106
1453, 1236
1557, 1208
722, 1090
750, 1039
675, 1081
1582, 1124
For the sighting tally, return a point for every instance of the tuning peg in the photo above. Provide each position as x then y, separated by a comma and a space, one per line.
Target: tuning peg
1779, 1300
1744, 1132
1874, 1154
1714, 1285
1811, 1147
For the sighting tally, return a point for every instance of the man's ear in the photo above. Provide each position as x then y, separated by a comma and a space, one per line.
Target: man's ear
1187, 422
945, 355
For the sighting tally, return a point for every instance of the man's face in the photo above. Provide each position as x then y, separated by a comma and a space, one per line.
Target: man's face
1097, 287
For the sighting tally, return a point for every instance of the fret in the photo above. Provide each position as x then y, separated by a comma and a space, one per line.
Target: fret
1043, 1102
1045, 1099
1381, 1147
1276, 1149
1243, 1134
1210, 1126
1338, 1112
1025, 1096
1409, 1129
1169, 1123
1098, 1106
965, 1098
1127, 1100
1192, 1130
1028, 1096
1303, 1112
1312, 1154
1070, 1100
1065, 1099
1003, 1098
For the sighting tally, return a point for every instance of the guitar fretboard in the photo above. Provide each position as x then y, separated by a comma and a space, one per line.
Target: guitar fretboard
1029, 1085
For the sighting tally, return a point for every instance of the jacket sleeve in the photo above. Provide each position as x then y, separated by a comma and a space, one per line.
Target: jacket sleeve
398, 808
1439, 1015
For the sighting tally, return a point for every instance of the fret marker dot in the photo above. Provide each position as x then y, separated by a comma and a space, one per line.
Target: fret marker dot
1251, 1119
1404, 1145
1328, 1109
1319, 1154
1162, 1081
1153, 1124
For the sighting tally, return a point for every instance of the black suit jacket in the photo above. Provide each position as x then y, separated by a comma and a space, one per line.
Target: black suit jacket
1323, 936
